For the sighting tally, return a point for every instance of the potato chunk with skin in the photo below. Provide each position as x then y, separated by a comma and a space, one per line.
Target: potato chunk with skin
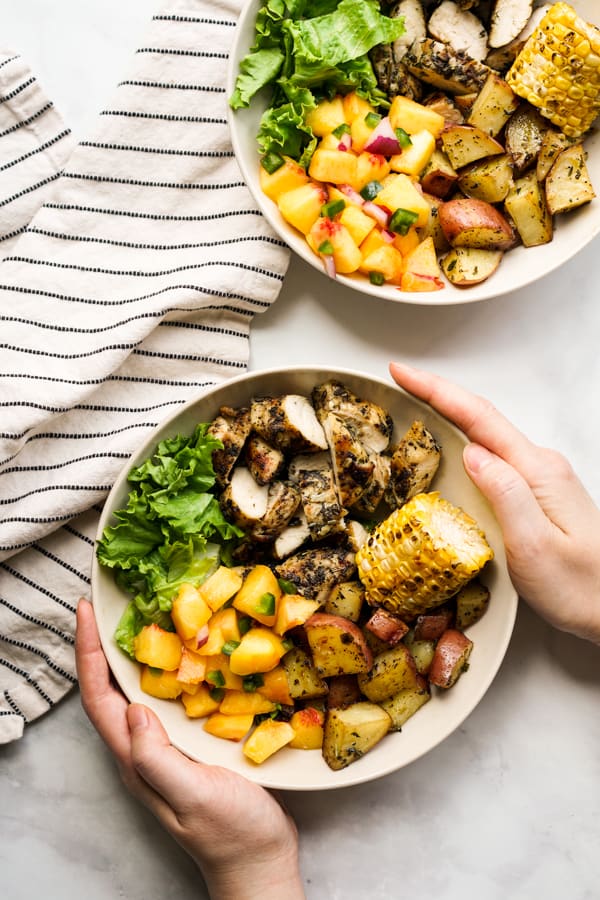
338, 646
392, 671
469, 222
352, 732
568, 183
450, 659
405, 704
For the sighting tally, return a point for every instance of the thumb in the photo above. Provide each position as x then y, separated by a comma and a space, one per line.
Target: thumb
160, 764
519, 514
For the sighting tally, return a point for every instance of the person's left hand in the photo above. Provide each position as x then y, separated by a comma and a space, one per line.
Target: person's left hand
244, 842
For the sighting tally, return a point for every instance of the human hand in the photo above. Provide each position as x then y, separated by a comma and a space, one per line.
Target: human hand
243, 841
550, 524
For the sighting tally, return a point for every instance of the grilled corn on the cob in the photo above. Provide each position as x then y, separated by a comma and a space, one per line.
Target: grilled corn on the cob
421, 555
558, 70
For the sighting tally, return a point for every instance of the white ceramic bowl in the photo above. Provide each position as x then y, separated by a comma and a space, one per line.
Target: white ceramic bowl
302, 769
519, 267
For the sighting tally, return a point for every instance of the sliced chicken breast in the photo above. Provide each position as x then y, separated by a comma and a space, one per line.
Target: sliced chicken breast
444, 68
312, 473
288, 423
264, 461
413, 465
315, 572
231, 427
373, 424
292, 537
376, 487
459, 28
352, 465
282, 502
244, 502
509, 18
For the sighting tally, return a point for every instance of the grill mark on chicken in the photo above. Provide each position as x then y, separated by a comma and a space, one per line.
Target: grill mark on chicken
375, 489
231, 427
315, 572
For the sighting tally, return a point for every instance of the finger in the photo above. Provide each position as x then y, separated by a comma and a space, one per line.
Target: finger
523, 523
105, 706
479, 419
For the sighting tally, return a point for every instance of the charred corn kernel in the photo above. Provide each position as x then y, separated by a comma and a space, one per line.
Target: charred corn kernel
558, 70
421, 555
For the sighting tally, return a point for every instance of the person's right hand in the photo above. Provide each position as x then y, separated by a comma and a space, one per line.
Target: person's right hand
550, 524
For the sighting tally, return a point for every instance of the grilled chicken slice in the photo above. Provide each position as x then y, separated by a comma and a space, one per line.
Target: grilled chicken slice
459, 28
503, 57
282, 502
264, 461
356, 534
352, 464
444, 68
312, 473
509, 18
392, 75
376, 487
315, 572
232, 427
295, 533
288, 423
413, 465
372, 423
243, 501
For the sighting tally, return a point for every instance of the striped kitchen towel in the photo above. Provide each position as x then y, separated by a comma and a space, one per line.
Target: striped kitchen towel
132, 266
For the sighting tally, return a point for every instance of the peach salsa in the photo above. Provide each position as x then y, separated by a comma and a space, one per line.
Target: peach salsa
414, 144
267, 601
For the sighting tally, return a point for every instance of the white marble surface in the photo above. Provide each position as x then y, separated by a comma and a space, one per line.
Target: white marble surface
507, 806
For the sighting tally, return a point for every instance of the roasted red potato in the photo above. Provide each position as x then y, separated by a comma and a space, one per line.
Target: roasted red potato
468, 222
450, 659
343, 691
338, 646
386, 626
431, 626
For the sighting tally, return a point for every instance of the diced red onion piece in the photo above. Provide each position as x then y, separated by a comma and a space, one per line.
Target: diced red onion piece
383, 139
201, 636
376, 212
345, 141
388, 236
329, 264
351, 194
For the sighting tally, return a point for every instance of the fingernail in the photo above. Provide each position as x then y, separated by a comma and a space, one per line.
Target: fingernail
137, 717
476, 457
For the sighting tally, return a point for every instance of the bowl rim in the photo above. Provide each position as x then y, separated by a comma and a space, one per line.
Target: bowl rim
451, 295
351, 775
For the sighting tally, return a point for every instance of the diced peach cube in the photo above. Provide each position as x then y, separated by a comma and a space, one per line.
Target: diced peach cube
220, 674
308, 728
258, 595
373, 240
370, 167
236, 703
192, 667
259, 651
159, 683
200, 704
406, 243
399, 192
190, 612
293, 609
327, 115
360, 132
220, 587
157, 648
413, 117
288, 176
421, 269
414, 158
302, 206
385, 259
266, 739
232, 728
275, 686
355, 106
335, 238
335, 166
357, 222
